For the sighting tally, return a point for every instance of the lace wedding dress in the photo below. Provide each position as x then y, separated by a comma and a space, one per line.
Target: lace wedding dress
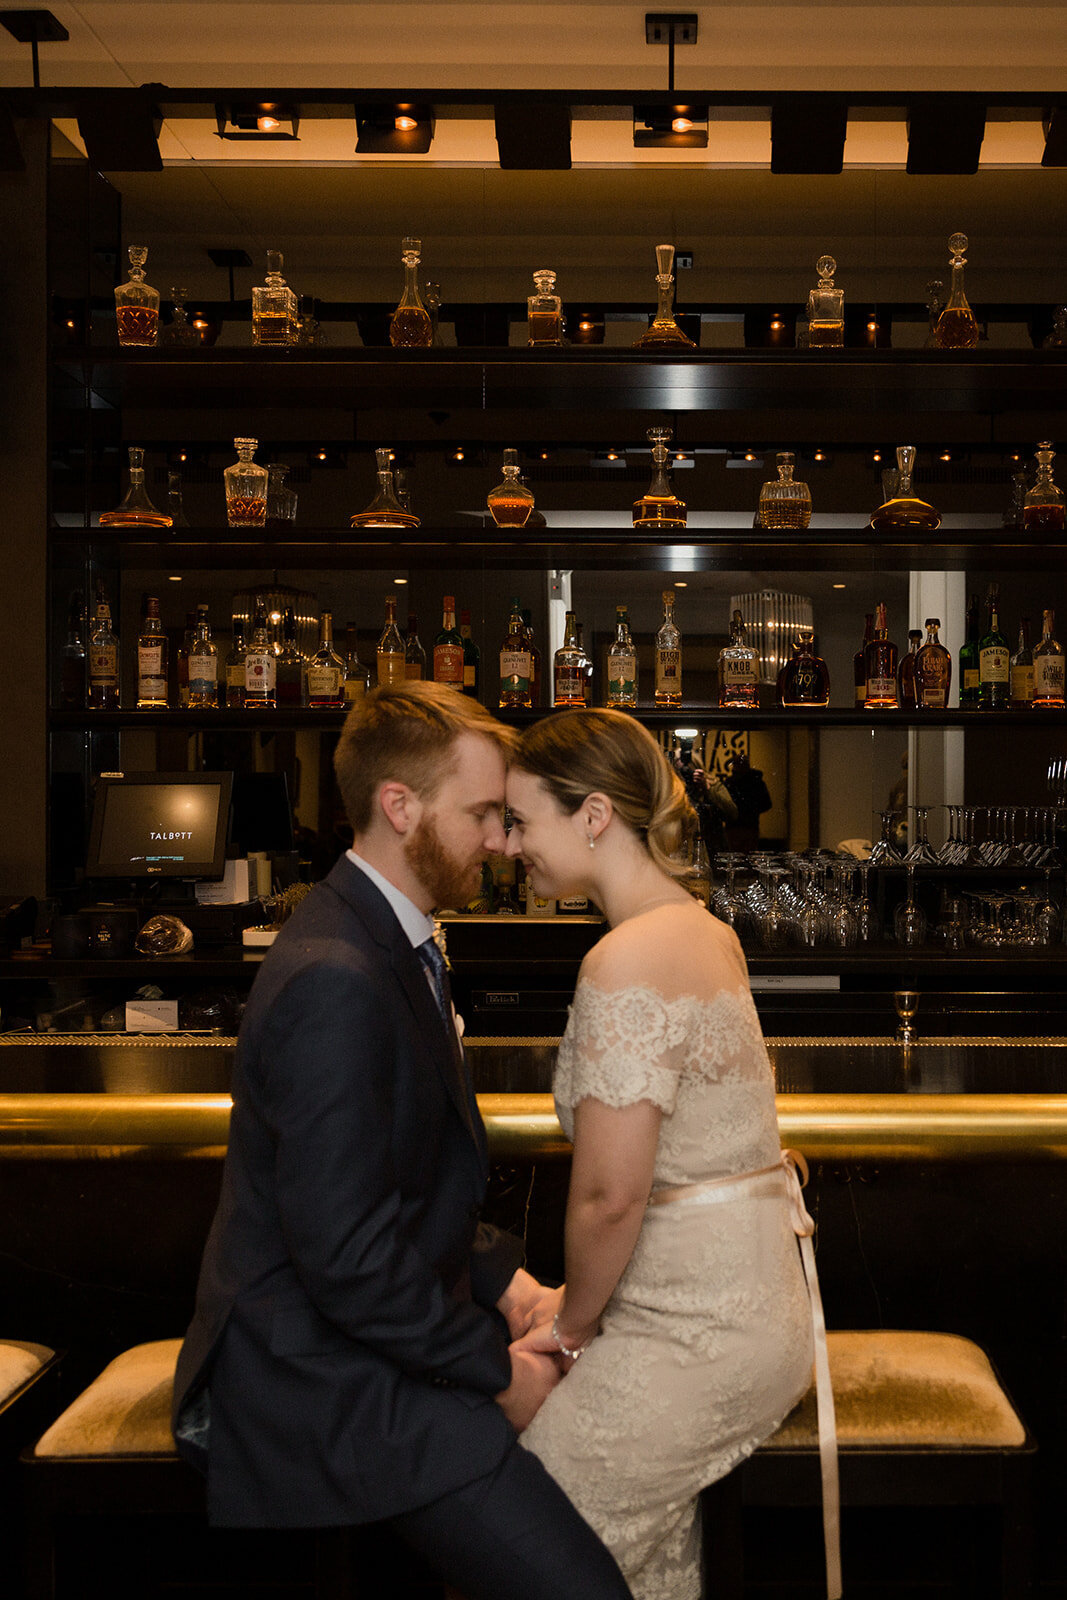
706, 1343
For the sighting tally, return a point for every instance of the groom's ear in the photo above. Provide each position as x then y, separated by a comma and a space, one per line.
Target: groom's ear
400, 806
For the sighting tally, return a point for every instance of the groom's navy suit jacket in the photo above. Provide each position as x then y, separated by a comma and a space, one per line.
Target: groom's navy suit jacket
340, 1366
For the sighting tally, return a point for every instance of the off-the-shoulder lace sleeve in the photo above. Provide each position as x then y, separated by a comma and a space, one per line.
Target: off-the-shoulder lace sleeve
621, 1046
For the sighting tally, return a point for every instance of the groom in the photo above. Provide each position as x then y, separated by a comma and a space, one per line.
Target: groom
346, 1362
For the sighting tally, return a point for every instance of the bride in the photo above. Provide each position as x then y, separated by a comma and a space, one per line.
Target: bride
685, 1299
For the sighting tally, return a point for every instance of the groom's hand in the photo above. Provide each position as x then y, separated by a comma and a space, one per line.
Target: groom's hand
533, 1377
525, 1302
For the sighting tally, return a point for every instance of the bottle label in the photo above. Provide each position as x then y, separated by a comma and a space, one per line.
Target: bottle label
803, 681
259, 672
470, 676
861, 692
570, 682
149, 661
935, 695
355, 689
515, 669
622, 675
971, 679
668, 671
203, 673
412, 671
993, 664
881, 688
1022, 683
448, 664
103, 664
235, 674
575, 904
1048, 676
324, 683
391, 666
738, 674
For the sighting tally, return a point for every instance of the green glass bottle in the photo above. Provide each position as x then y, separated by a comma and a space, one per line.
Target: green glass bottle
969, 667
994, 662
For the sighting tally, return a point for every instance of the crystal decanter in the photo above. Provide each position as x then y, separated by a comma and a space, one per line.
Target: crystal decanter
137, 303
1043, 506
179, 333
905, 512
664, 333
956, 326
783, 503
275, 317
411, 327
246, 488
136, 509
281, 500
544, 312
826, 308
510, 503
385, 510
660, 510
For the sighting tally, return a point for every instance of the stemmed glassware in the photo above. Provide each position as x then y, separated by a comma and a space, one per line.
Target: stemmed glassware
867, 926
920, 854
726, 902
885, 853
909, 919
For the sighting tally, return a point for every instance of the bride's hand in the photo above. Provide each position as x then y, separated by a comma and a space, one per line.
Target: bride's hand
525, 1303
542, 1337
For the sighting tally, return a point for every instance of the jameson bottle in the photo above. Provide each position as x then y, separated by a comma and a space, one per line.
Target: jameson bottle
970, 681
859, 661
326, 671
622, 664
448, 648
260, 665
472, 657
1048, 668
568, 667
390, 652
103, 662
1022, 670
414, 654
668, 656
994, 668
515, 664
152, 659
203, 664
881, 667
933, 671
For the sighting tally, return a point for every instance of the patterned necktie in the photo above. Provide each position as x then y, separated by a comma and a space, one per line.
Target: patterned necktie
434, 963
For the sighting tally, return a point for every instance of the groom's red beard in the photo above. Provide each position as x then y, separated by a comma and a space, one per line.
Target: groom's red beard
449, 881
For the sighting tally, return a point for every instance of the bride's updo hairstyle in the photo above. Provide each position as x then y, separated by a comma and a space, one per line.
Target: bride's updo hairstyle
579, 753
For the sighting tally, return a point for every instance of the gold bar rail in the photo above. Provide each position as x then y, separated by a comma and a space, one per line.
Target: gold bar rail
826, 1127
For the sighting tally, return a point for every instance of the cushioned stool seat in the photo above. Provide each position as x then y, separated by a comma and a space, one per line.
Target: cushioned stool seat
124, 1412
20, 1366
922, 1420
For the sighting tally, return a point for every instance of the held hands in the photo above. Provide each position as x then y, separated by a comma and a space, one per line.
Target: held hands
533, 1377
552, 1331
525, 1303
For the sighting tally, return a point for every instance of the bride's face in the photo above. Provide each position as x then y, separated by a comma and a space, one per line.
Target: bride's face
548, 841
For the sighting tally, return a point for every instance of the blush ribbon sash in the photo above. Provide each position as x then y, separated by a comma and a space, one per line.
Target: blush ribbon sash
791, 1173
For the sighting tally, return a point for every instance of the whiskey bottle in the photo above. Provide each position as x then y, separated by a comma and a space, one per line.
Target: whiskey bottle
1048, 668
587, 667
1043, 506
290, 670
535, 656
203, 663
1022, 670
544, 313
906, 693
957, 328
448, 648
510, 503
414, 654
411, 327
660, 510
72, 657
668, 691
826, 308
385, 510
881, 667
472, 657
103, 662
859, 661
260, 665
994, 672
933, 671
135, 510
805, 678
246, 488
515, 665
357, 676
568, 667
137, 303
275, 315
326, 671
783, 503
235, 667
622, 664
738, 669
390, 653
152, 659
663, 333
182, 664
970, 679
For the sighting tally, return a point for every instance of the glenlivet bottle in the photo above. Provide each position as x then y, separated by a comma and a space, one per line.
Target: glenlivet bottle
622, 664
515, 664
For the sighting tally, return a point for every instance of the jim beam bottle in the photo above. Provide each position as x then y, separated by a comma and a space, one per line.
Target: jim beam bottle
515, 663
668, 690
1048, 667
152, 659
881, 667
933, 671
260, 665
738, 669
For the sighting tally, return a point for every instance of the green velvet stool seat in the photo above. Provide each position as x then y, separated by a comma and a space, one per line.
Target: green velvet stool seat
922, 1420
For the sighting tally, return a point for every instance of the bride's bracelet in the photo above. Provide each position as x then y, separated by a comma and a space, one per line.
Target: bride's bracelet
572, 1355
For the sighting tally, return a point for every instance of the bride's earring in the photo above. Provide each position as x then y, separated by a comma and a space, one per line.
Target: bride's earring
592, 841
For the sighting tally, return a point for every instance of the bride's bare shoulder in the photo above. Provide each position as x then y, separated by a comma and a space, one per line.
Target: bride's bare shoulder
667, 948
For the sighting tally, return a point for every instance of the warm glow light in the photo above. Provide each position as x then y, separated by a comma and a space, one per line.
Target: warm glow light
322, 455
877, 456
70, 322
400, 580
586, 327
404, 124
837, 586
818, 456
776, 324
267, 124
175, 577
200, 322
946, 455
680, 583
679, 455
872, 327
613, 455
681, 125
457, 455
750, 455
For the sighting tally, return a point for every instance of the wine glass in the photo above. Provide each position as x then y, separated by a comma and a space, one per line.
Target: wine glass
909, 919
885, 853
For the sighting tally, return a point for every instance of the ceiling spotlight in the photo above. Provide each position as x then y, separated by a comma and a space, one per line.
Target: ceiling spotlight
876, 455
402, 128
457, 454
670, 127
820, 455
257, 119
946, 455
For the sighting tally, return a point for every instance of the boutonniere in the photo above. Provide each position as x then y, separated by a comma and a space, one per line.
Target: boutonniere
440, 940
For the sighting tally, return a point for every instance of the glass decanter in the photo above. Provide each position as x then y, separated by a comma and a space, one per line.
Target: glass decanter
431, 299
411, 327
905, 512
246, 488
281, 500
783, 503
544, 312
510, 503
660, 510
934, 306
174, 500
664, 333
275, 318
1013, 512
956, 326
137, 303
826, 308
385, 510
136, 509
179, 333
1043, 506
804, 679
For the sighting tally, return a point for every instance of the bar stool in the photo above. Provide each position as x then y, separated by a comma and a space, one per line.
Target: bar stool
29, 1375
922, 1420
